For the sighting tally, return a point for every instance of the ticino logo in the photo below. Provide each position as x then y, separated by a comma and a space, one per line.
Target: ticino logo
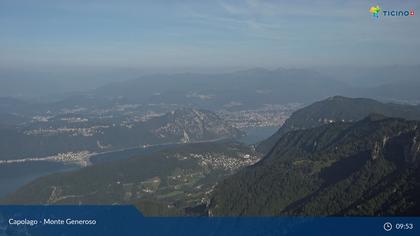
376, 11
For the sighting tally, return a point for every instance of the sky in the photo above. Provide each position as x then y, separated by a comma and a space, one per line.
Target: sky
205, 34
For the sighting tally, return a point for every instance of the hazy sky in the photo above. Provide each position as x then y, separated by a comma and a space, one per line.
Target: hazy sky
212, 33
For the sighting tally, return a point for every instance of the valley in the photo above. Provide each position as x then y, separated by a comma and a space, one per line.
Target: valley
212, 168
216, 144
77, 137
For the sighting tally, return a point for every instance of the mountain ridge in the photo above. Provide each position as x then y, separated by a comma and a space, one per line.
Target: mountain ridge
334, 169
182, 126
339, 108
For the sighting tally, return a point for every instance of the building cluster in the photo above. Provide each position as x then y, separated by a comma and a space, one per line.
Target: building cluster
82, 131
214, 160
81, 158
270, 115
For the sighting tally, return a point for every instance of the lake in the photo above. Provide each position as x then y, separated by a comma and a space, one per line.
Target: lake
257, 134
13, 176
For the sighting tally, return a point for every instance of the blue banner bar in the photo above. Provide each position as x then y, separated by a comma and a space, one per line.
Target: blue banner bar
126, 220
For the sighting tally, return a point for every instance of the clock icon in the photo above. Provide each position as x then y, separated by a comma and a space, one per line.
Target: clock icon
387, 226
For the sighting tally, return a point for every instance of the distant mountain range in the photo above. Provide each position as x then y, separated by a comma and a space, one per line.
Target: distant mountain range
338, 109
180, 126
398, 90
369, 167
258, 86
249, 88
246, 88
